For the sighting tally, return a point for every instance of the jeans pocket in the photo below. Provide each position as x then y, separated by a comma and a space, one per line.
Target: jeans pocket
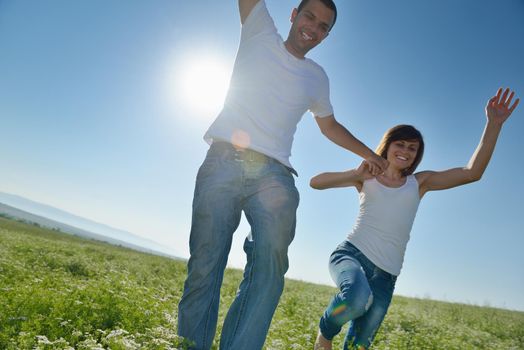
208, 167
343, 251
385, 279
350, 249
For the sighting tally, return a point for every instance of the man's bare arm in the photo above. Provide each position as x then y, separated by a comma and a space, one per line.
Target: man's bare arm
245, 7
341, 136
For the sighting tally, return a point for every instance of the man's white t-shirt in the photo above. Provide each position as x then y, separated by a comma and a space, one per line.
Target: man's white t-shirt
270, 91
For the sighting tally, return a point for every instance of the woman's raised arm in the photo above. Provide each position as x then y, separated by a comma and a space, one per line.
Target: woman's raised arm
498, 110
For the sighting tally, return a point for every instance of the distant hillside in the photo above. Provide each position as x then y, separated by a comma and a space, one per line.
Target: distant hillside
25, 216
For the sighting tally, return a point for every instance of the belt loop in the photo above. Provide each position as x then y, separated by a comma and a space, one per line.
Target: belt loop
245, 155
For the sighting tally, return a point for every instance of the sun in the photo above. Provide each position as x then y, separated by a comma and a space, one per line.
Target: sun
202, 85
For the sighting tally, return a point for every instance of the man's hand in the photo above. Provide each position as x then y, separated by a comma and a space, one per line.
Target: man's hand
363, 171
376, 164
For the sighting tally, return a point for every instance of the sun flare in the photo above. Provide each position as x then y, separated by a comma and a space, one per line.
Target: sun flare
203, 84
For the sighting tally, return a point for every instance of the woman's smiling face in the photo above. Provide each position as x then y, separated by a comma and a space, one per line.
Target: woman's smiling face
402, 153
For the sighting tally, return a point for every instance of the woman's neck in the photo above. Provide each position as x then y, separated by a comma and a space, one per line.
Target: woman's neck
393, 173
392, 178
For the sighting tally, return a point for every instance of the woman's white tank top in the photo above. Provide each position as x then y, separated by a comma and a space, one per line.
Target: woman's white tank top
384, 222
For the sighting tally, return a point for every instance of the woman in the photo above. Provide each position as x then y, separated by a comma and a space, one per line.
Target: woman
365, 266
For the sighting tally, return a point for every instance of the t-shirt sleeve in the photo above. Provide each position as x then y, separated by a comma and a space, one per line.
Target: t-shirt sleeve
258, 21
322, 107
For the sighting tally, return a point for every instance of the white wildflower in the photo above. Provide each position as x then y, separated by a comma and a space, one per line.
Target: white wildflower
117, 333
42, 339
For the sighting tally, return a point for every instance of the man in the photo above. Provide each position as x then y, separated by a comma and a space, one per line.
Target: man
247, 169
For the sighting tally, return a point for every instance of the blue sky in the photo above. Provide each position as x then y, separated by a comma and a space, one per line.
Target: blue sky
98, 117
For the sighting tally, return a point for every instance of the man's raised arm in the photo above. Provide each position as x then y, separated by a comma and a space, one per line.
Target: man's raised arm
245, 7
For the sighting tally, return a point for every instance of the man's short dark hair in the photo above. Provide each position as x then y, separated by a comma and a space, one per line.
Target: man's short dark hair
328, 3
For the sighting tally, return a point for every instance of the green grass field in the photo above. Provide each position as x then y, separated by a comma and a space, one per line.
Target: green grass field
62, 292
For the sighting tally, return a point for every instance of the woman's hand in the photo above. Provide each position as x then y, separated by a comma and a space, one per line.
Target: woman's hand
498, 108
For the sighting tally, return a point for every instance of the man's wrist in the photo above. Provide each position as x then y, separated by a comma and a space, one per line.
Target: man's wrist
370, 154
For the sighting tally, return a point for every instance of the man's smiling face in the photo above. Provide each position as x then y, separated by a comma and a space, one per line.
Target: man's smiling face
309, 27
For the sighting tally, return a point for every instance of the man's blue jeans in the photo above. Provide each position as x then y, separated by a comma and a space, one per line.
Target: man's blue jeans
364, 297
229, 182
